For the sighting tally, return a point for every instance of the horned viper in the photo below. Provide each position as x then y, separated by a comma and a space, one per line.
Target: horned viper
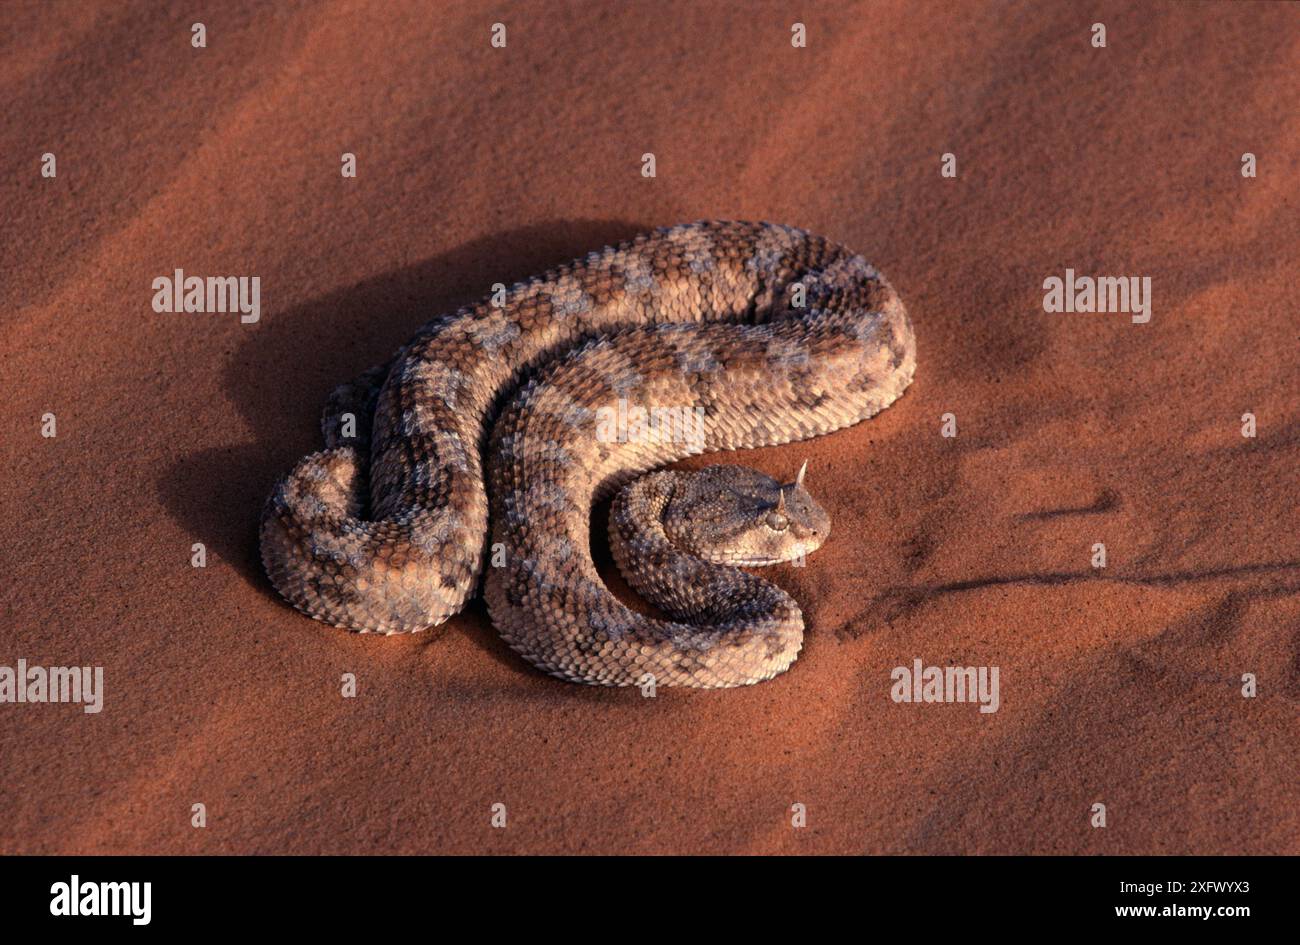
765, 333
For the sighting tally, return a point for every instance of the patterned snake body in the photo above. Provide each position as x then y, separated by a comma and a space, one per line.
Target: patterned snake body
764, 332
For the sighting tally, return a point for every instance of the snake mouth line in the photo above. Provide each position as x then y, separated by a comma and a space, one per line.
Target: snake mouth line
766, 562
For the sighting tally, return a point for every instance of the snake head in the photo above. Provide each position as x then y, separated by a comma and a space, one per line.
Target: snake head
737, 515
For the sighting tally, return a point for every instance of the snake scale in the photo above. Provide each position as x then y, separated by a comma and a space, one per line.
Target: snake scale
749, 334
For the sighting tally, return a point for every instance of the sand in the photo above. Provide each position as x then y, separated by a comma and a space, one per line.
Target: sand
1119, 686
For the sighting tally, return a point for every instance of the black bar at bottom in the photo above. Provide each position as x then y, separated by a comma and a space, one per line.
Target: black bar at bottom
333, 894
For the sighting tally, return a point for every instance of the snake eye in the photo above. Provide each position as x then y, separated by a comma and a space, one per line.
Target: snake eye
777, 522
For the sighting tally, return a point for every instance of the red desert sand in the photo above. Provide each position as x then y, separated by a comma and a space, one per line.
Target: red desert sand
1120, 686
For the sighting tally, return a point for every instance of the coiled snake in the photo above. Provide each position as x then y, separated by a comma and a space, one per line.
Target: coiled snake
702, 337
